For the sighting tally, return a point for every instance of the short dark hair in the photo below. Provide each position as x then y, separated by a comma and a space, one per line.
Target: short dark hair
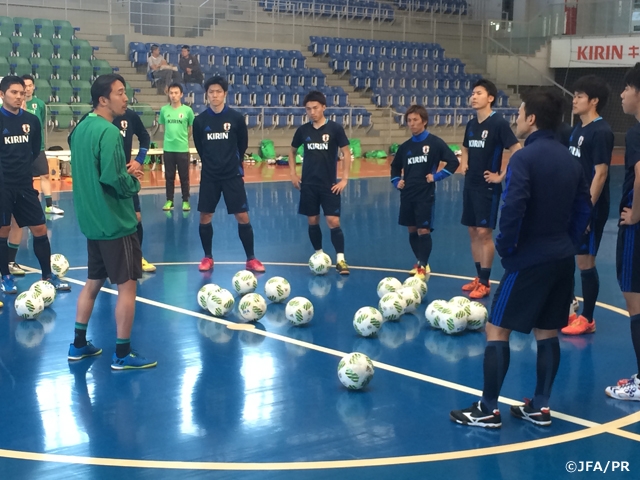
102, 87
632, 77
28, 77
186, 47
420, 110
176, 85
546, 104
489, 86
593, 86
8, 81
216, 80
315, 96
154, 48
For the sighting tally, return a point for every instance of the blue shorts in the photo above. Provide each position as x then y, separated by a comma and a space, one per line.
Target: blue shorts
23, 204
628, 258
480, 206
235, 195
312, 197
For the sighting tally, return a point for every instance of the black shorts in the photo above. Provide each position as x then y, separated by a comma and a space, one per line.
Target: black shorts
628, 258
417, 212
535, 297
119, 259
590, 242
40, 165
480, 207
235, 195
23, 204
136, 203
314, 196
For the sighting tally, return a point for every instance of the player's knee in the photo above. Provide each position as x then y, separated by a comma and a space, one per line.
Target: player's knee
242, 218
424, 231
333, 222
412, 229
39, 230
206, 218
314, 220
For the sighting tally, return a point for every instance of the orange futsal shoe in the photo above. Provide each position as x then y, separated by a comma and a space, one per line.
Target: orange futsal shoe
206, 264
480, 291
579, 326
471, 286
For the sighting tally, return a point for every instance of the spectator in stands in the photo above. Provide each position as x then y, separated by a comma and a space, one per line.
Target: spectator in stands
162, 72
190, 66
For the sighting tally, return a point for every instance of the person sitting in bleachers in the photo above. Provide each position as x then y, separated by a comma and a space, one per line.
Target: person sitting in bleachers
190, 66
162, 72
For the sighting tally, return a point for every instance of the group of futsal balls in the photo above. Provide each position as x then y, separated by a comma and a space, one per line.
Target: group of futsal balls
41, 294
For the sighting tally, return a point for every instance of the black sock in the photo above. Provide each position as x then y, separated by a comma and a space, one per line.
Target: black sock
42, 249
590, 290
495, 366
635, 337
47, 201
123, 347
337, 239
478, 269
245, 232
4, 257
80, 335
140, 232
415, 244
206, 237
485, 273
426, 244
315, 235
546, 369
13, 251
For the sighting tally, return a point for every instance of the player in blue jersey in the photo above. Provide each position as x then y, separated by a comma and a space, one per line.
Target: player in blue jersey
485, 139
628, 247
414, 171
591, 142
322, 139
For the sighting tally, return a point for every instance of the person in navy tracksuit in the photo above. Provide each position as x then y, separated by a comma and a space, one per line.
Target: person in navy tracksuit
545, 212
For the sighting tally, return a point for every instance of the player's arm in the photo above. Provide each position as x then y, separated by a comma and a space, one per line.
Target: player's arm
497, 177
631, 216
295, 144
197, 137
599, 179
602, 151
346, 166
581, 211
113, 166
464, 160
243, 138
516, 195
161, 119
396, 169
144, 140
451, 164
36, 139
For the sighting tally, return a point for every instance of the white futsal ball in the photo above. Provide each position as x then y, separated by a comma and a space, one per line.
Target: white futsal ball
44, 289
319, 263
460, 301
299, 311
367, 321
220, 303
244, 282
388, 285
277, 289
29, 305
453, 319
411, 298
391, 306
205, 292
355, 371
252, 307
59, 264
434, 312
418, 284
477, 317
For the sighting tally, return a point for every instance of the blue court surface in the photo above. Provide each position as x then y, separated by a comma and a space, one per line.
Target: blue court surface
267, 403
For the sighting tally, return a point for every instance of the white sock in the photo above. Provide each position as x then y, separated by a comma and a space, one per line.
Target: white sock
340, 257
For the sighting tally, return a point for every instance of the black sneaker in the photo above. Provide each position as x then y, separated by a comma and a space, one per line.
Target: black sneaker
526, 412
474, 416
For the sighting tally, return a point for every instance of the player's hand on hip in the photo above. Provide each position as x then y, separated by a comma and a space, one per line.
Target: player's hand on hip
491, 177
430, 178
400, 185
339, 187
139, 174
134, 166
626, 217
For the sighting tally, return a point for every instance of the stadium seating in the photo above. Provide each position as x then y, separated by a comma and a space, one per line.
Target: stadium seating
351, 9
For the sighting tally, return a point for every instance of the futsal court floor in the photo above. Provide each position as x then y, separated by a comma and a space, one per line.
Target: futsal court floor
266, 402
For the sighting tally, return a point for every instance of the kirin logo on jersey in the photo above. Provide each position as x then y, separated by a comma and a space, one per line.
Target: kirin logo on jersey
485, 134
425, 149
227, 127
26, 128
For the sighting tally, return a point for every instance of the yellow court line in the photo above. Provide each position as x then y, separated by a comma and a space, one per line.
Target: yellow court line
592, 428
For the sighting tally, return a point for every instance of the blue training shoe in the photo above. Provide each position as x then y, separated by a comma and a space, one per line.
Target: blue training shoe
58, 284
132, 361
8, 285
89, 350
